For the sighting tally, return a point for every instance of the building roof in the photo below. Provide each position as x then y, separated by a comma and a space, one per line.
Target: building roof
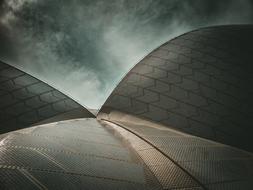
26, 100
180, 119
198, 83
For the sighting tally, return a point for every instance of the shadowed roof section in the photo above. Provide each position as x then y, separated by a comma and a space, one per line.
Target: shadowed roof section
199, 83
26, 101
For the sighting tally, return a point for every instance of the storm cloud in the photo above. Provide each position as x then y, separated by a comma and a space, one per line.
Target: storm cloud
84, 47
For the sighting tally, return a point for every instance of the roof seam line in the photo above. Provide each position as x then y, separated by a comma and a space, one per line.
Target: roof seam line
120, 125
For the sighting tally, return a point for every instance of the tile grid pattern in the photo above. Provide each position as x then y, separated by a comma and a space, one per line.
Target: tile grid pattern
198, 83
215, 165
64, 155
169, 174
25, 100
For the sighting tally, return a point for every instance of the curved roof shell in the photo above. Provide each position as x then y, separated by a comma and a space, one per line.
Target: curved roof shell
198, 83
26, 101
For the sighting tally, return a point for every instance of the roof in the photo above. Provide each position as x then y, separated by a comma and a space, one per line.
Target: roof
26, 100
180, 119
198, 83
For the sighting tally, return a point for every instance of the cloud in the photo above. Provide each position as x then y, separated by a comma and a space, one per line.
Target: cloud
85, 47
11, 7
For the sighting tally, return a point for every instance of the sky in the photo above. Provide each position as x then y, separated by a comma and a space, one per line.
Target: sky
85, 47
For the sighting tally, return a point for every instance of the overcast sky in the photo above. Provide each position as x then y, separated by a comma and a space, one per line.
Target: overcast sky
84, 47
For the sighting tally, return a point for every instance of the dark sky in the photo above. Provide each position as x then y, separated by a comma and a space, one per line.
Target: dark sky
84, 47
